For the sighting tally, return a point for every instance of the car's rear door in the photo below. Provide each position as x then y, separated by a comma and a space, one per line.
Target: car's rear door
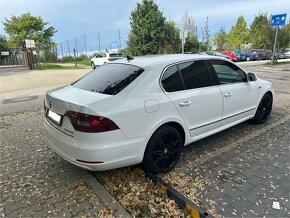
240, 96
199, 101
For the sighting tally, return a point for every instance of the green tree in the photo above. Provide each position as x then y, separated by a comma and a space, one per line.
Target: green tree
27, 26
3, 42
261, 32
221, 39
283, 39
148, 29
172, 41
239, 34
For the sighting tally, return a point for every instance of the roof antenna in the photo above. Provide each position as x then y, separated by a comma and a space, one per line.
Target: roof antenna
129, 58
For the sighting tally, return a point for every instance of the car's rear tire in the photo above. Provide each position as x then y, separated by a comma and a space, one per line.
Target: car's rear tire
264, 109
163, 150
93, 66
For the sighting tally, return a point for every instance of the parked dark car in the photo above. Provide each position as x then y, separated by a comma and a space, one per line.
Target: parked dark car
240, 55
250, 56
263, 54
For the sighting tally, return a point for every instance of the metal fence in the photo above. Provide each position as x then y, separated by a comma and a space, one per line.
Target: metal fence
88, 44
19, 57
13, 57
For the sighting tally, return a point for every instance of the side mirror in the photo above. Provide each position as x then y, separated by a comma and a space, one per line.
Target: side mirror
252, 77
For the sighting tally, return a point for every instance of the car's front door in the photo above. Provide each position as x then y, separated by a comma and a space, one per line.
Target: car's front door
198, 100
240, 96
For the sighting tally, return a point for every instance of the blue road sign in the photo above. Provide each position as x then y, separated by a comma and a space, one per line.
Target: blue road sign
278, 20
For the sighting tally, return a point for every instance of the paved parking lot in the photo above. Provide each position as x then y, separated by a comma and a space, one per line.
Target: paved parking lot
238, 172
35, 181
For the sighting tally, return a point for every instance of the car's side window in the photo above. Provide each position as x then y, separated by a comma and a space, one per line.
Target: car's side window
228, 72
171, 80
195, 74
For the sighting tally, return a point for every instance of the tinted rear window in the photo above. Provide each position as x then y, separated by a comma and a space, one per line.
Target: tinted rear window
115, 55
109, 79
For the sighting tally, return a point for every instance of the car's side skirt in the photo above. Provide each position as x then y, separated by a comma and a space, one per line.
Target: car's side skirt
223, 119
206, 134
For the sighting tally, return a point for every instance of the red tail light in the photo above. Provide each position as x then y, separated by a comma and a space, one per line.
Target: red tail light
90, 123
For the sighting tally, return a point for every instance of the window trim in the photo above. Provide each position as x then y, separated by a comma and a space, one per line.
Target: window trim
184, 87
161, 76
215, 73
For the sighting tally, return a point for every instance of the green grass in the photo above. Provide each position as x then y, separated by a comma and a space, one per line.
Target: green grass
86, 62
53, 66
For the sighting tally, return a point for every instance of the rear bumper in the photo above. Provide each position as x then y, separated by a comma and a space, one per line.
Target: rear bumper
113, 148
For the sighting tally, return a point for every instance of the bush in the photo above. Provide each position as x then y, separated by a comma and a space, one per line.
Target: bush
66, 59
82, 57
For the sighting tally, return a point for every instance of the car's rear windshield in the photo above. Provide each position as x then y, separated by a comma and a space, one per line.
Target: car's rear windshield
115, 55
109, 79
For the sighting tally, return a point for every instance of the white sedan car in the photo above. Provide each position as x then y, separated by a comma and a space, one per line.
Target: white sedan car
105, 57
145, 109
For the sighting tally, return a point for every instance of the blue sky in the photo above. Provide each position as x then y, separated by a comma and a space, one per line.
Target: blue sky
75, 17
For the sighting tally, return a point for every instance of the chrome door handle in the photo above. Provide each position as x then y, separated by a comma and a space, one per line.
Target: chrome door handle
228, 94
185, 103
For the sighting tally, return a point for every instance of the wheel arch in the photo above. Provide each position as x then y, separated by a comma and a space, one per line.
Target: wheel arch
269, 91
176, 126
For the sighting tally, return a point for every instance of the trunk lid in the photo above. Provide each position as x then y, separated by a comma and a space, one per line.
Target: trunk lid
69, 98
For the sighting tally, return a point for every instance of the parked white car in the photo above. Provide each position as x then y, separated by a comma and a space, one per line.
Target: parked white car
145, 109
287, 52
104, 57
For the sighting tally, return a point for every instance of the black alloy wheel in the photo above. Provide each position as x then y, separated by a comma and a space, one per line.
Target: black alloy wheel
93, 66
264, 110
163, 150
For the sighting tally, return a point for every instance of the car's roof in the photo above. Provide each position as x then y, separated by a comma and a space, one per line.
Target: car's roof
144, 61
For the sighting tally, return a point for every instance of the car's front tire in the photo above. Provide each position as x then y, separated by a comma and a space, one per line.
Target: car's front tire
163, 150
93, 66
264, 109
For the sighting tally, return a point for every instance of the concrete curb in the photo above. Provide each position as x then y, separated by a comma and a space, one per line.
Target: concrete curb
183, 202
103, 194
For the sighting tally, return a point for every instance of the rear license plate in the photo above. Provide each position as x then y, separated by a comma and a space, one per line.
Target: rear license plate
54, 117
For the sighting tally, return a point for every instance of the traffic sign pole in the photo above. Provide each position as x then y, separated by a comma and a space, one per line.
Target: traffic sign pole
276, 21
274, 48
183, 34
182, 43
